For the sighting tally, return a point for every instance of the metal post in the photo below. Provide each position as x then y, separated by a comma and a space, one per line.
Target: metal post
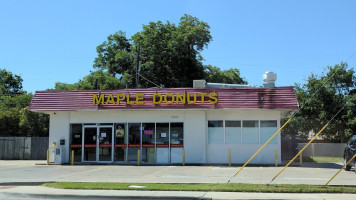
301, 159
138, 157
229, 157
183, 157
275, 158
340, 170
72, 157
299, 152
47, 156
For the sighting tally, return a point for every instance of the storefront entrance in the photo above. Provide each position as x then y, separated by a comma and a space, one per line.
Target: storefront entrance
152, 143
98, 144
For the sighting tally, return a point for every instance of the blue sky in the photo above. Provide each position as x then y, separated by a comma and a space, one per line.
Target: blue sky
55, 41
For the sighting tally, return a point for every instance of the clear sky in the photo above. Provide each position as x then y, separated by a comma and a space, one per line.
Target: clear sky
55, 41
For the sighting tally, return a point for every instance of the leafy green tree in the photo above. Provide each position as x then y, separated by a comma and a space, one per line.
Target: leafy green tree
323, 96
33, 124
169, 54
96, 80
15, 118
9, 83
9, 122
215, 75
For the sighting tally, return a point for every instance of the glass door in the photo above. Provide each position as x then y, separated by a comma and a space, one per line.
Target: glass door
89, 144
134, 141
120, 139
105, 148
162, 142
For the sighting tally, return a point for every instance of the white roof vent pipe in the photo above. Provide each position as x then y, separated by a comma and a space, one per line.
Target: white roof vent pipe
269, 79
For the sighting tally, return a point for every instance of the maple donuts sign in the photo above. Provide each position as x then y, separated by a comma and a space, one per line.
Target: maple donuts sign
157, 98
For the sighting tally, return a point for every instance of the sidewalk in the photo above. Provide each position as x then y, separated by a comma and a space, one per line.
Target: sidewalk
39, 192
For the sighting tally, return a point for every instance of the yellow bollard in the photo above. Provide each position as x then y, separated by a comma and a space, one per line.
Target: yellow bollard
183, 157
229, 157
301, 159
138, 157
47, 156
340, 170
275, 158
72, 157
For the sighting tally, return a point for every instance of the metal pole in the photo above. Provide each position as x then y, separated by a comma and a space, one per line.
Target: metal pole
47, 156
353, 157
300, 152
72, 157
183, 157
275, 158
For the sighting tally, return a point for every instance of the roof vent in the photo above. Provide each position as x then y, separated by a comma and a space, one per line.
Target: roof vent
199, 83
269, 79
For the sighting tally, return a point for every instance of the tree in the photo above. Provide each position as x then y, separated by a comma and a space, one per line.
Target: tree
9, 83
215, 75
169, 54
15, 118
96, 80
322, 97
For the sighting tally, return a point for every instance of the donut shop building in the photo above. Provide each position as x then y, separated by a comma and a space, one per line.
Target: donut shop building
110, 126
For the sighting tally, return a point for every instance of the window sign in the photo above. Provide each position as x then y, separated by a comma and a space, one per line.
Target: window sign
148, 132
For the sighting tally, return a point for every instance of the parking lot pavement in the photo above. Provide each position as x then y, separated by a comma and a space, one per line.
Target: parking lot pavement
37, 171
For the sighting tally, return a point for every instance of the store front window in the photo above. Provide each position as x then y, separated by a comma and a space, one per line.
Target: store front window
76, 144
134, 137
250, 132
120, 142
216, 132
162, 142
148, 143
176, 142
268, 128
233, 132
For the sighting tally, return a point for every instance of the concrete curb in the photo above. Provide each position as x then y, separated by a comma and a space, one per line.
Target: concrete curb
70, 196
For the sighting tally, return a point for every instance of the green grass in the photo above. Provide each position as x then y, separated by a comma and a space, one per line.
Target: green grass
323, 159
217, 187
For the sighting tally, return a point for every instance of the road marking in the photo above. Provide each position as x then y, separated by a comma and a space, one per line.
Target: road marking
209, 167
318, 169
260, 168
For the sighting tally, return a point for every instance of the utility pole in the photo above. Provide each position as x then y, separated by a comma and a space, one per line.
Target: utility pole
137, 67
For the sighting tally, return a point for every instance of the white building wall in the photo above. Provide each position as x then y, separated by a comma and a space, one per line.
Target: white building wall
240, 153
59, 129
197, 149
195, 137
